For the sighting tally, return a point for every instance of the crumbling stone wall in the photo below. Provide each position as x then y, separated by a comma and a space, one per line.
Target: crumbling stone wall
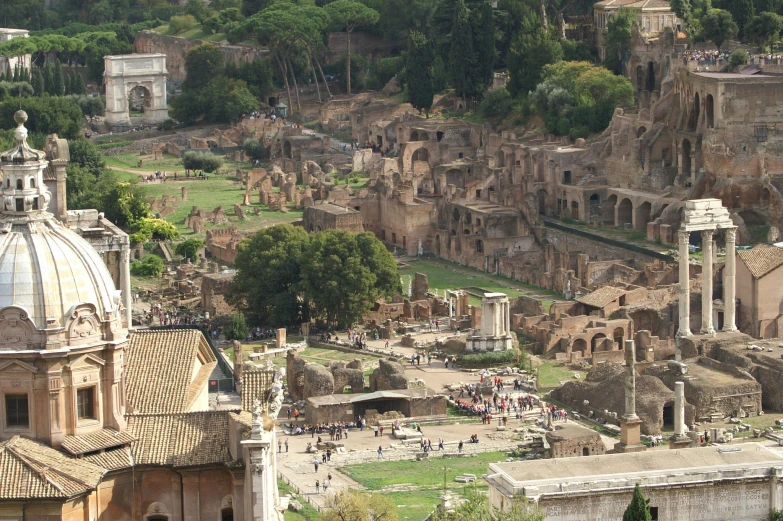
318, 381
295, 376
344, 377
568, 441
388, 376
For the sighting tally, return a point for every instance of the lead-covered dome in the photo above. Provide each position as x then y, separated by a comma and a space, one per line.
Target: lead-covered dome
50, 278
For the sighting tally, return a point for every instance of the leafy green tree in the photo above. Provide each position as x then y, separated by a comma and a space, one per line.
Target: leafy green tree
48, 115
237, 327
463, 66
350, 15
268, 264
206, 161
742, 11
149, 266
150, 228
531, 51
202, 64
440, 75
418, 73
124, 204
227, 99
764, 29
85, 154
477, 508
189, 249
81, 87
354, 505
196, 9
400, 17
639, 509
774, 515
718, 26
618, 38
496, 105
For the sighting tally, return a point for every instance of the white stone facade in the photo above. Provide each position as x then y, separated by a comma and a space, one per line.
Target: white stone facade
495, 331
125, 73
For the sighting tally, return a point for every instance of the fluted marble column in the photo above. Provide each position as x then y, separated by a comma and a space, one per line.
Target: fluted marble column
706, 284
729, 281
685, 294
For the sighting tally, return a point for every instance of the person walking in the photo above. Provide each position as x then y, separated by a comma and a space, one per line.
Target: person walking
380, 453
286, 445
459, 447
315, 462
279, 446
317, 486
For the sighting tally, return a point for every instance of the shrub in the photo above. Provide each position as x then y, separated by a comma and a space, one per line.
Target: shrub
149, 266
206, 161
496, 104
182, 23
189, 249
253, 149
490, 358
169, 124
738, 58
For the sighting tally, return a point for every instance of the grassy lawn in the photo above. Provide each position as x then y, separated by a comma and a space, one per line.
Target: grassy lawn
195, 33
550, 374
308, 512
443, 275
414, 505
425, 473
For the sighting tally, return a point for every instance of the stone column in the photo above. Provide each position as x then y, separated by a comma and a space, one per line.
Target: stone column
125, 283
685, 294
706, 284
729, 281
680, 439
630, 424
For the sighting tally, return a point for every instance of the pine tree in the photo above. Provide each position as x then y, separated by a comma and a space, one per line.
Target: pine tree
38, 83
48, 79
484, 35
81, 88
462, 56
639, 509
15, 77
59, 81
69, 84
418, 72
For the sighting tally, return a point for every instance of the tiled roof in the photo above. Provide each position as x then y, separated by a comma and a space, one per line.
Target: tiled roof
180, 440
243, 418
30, 470
255, 386
761, 259
160, 370
103, 439
602, 296
112, 459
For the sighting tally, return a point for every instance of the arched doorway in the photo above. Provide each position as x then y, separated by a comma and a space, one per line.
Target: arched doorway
639, 77
709, 111
625, 213
287, 150
542, 202
686, 157
479, 247
227, 514
579, 345
501, 159
424, 136
694, 119
414, 136
640, 132
643, 216
139, 100
574, 210
650, 86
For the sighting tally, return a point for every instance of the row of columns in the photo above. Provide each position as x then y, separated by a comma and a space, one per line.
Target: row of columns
729, 280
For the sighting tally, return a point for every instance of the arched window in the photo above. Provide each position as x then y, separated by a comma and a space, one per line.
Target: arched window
19, 184
32, 182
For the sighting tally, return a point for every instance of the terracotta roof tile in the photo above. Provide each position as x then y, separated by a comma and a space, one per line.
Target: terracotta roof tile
243, 418
761, 259
602, 296
180, 440
255, 386
160, 369
31, 470
103, 439
113, 459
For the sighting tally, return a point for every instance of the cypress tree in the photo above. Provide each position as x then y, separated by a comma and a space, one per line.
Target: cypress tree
462, 58
48, 76
15, 77
59, 81
484, 35
418, 72
38, 83
81, 88
69, 84
639, 509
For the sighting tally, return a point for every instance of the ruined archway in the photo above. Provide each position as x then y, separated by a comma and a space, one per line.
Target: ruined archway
541, 195
709, 111
597, 343
694, 119
640, 131
124, 74
421, 154
643, 215
501, 159
414, 136
579, 345
650, 85
287, 150
625, 212
686, 156
618, 335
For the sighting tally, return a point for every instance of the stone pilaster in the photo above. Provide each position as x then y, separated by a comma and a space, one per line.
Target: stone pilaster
706, 285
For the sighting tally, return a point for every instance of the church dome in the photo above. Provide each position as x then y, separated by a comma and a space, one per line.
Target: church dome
50, 277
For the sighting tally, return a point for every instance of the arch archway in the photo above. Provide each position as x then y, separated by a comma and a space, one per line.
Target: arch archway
643, 215
597, 342
618, 335
640, 131
694, 119
650, 84
501, 159
421, 154
287, 153
624, 212
123, 76
423, 136
541, 195
709, 111
580, 345
414, 136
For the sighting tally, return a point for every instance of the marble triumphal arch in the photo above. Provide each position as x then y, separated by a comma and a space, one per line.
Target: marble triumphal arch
142, 76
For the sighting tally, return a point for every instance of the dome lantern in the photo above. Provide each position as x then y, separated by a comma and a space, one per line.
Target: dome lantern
23, 190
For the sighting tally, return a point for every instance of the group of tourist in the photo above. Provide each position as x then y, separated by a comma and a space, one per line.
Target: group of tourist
258, 333
705, 57
336, 430
416, 358
172, 317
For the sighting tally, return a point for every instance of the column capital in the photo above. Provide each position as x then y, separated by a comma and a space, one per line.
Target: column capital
707, 234
731, 234
684, 235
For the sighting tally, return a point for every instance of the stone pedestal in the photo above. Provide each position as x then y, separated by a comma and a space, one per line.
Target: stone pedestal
630, 435
280, 340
